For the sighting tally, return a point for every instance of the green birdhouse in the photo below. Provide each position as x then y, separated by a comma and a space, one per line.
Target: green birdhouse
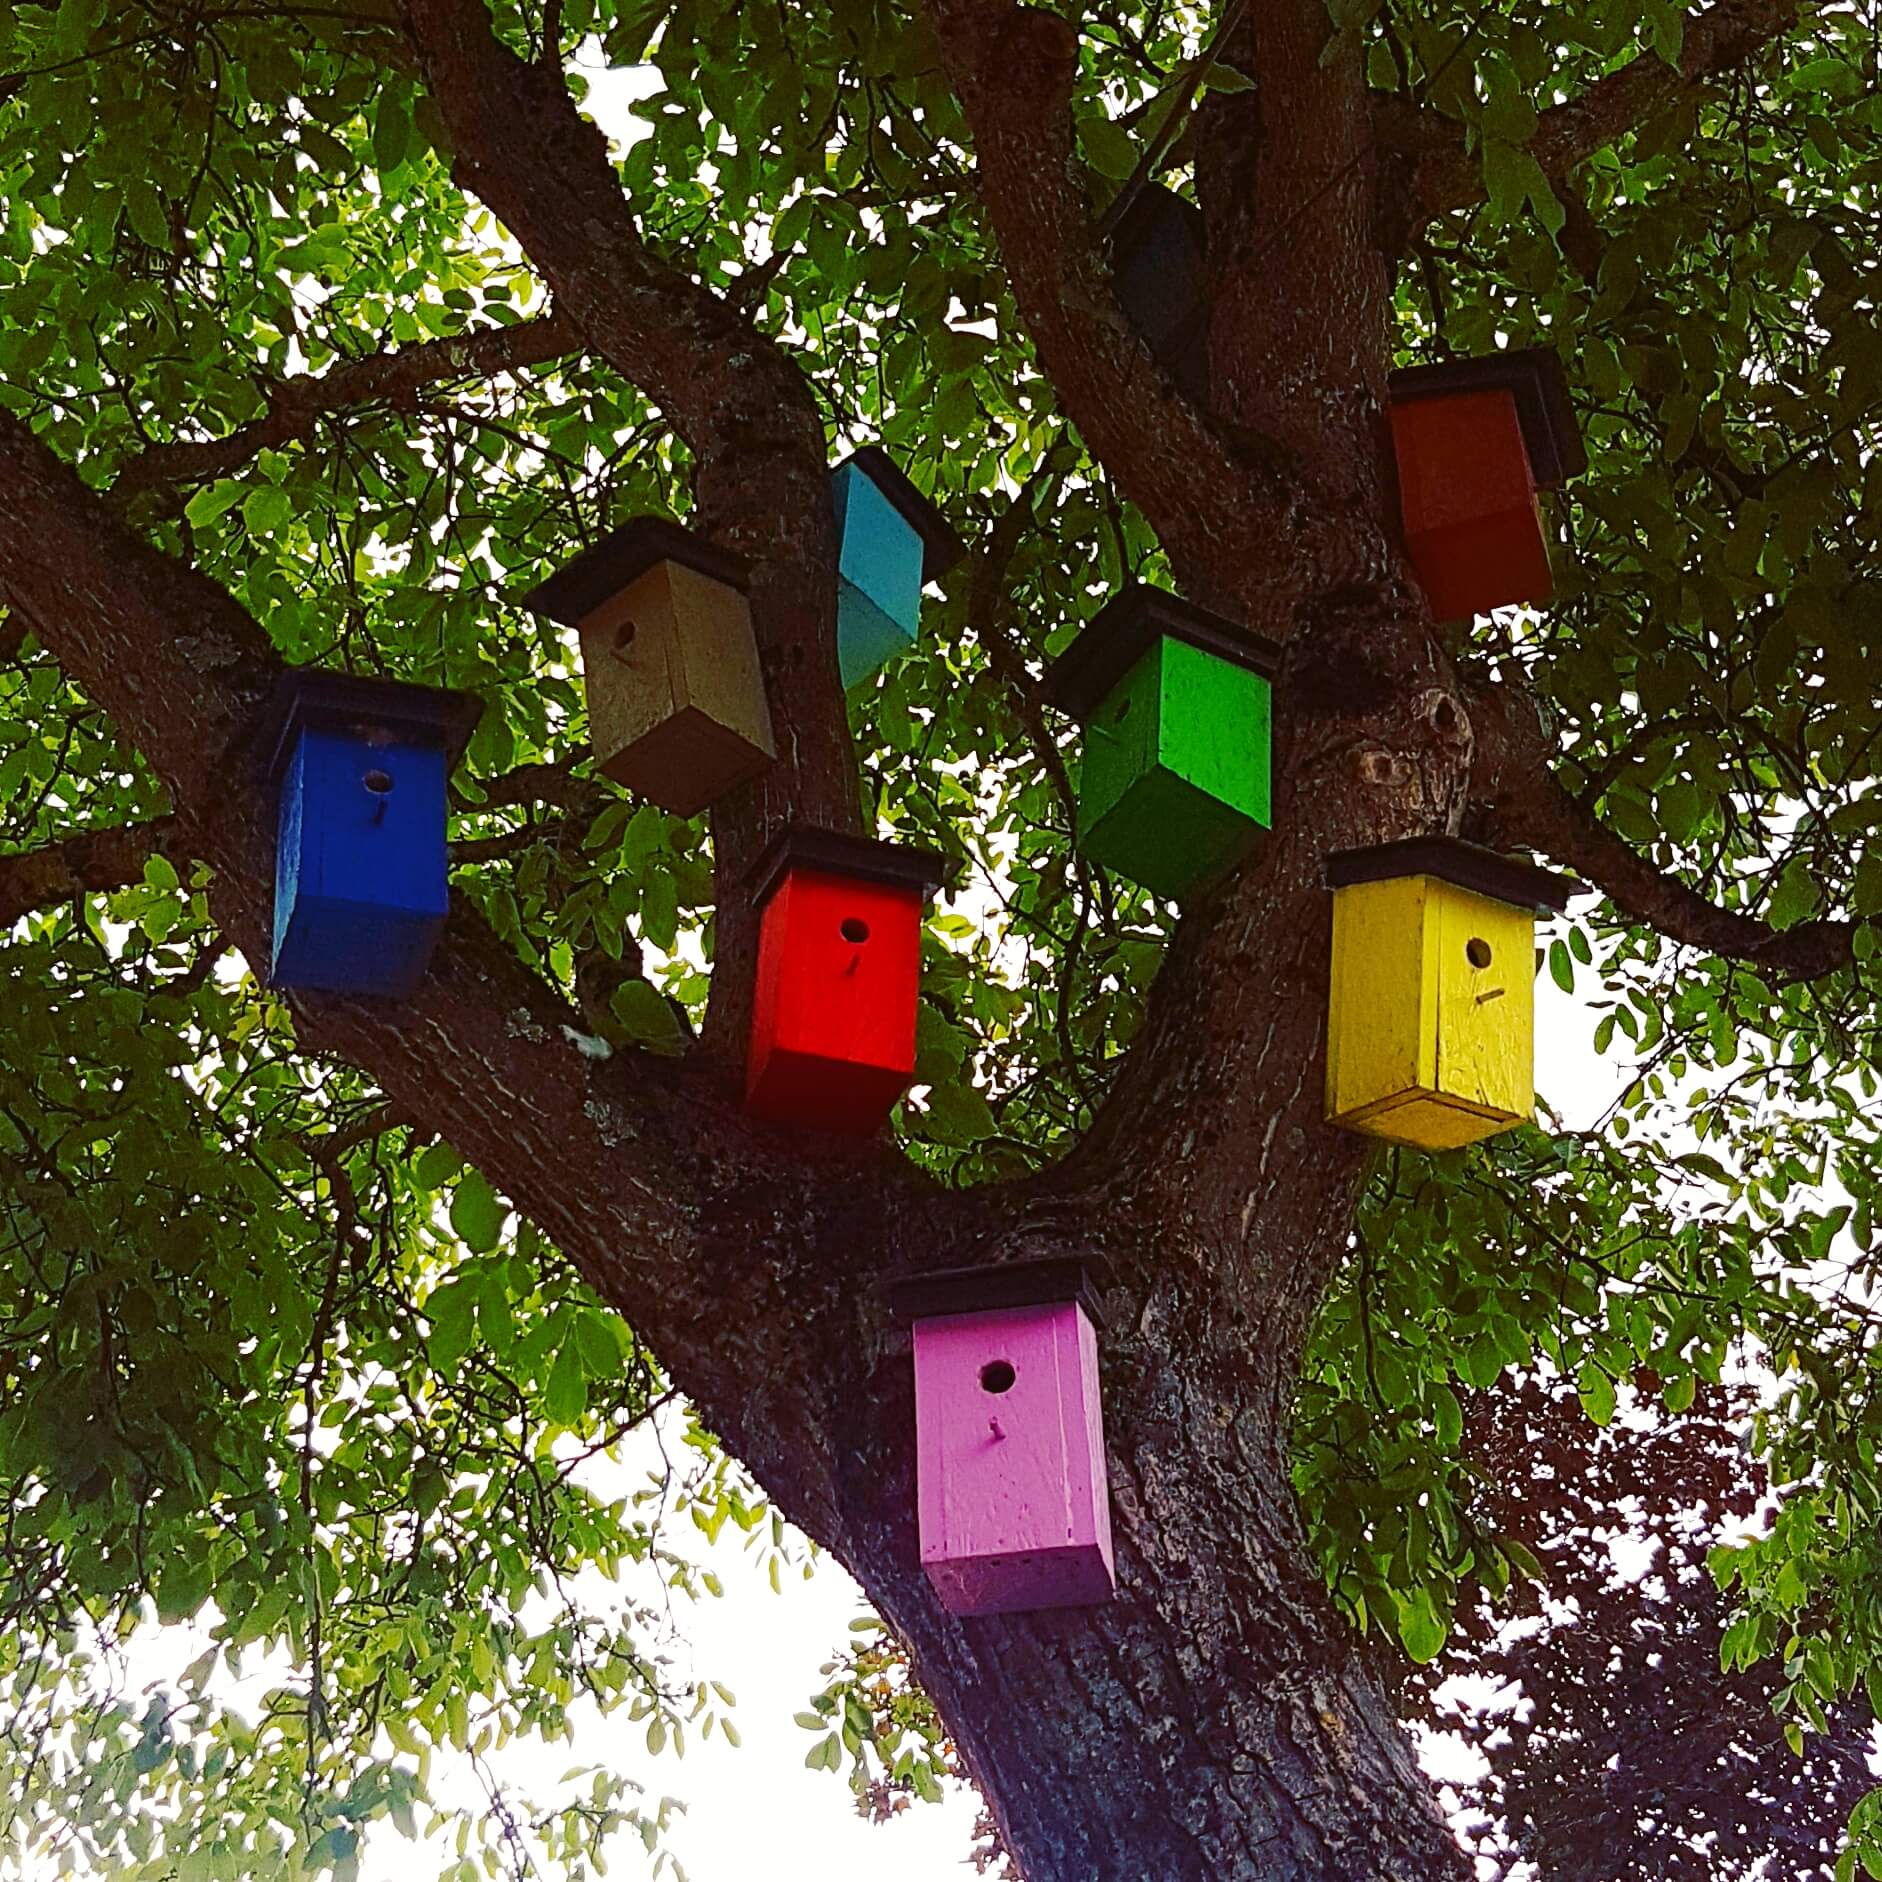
1177, 709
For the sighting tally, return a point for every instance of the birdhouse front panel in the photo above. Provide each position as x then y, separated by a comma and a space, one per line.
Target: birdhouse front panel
361, 885
833, 1017
879, 572
1174, 790
676, 701
1468, 501
1013, 1503
1431, 1026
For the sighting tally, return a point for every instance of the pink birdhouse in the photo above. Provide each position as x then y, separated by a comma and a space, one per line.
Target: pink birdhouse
1009, 1438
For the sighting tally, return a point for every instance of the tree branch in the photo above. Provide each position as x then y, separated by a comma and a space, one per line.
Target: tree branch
1718, 40
297, 406
92, 861
1514, 783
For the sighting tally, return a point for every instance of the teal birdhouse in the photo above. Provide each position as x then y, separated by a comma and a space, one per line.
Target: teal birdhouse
1177, 706
891, 540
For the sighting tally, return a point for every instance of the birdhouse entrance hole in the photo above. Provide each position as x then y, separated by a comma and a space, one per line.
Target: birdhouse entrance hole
997, 1376
1477, 951
378, 782
854, 930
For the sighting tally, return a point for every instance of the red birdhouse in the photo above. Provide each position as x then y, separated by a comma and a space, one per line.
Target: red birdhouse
839, 972
1475, 440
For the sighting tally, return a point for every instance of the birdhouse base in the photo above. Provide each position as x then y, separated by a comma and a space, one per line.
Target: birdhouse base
817, 1093
687, 762
1176, 840
354, 947
1424, 1121
1491, 562
1077, 1576
867, 637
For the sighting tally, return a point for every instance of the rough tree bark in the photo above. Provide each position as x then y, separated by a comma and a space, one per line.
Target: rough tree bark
1214, 1722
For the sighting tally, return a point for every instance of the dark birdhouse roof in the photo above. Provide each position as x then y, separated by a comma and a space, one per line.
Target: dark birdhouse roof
997, 1285
620, 558
941, 546
802, 846
1464, 865
1123, 631
307, 697
1534, 375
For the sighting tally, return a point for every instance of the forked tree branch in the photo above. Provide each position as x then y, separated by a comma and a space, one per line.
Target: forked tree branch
298, 406
1515, 785
1214, 502
1718, 40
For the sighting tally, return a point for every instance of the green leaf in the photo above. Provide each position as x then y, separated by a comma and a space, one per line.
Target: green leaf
476, 1213
267, 509
1421, 1628
1596, 1391
565, 1395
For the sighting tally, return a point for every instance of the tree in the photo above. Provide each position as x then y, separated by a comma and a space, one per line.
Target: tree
328, 329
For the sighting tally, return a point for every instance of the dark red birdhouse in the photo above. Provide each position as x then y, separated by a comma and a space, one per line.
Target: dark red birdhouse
839, 973
1475, 440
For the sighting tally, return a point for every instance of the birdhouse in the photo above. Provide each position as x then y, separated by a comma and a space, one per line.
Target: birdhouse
1475, 440
1158, 272
676, 700
839, 974
360, 768
1431, 1025
891, 540
1014, 1511
1177, 709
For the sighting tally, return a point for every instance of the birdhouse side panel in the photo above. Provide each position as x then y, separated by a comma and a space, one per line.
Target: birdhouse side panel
1468, 502
717, 657
630, 667
1382, 998
1120, 741
881, 551
1013, 1505
361, 886
372, 823
1486, 1003
833, 1015
1215, 728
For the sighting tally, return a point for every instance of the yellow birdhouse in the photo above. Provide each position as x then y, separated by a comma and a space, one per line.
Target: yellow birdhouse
1431, 1030
676, 700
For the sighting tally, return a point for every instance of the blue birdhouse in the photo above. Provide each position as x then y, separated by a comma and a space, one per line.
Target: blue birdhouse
359, 882
891, 540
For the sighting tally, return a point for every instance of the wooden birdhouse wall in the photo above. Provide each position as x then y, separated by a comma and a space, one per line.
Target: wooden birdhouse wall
361, 884
879, 572
1013, 1505
1431, 1025
676, 698
833, 1018
1175, 785
1468, 499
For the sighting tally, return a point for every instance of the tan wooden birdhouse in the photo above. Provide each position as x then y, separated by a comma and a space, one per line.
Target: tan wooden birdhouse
676, 699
